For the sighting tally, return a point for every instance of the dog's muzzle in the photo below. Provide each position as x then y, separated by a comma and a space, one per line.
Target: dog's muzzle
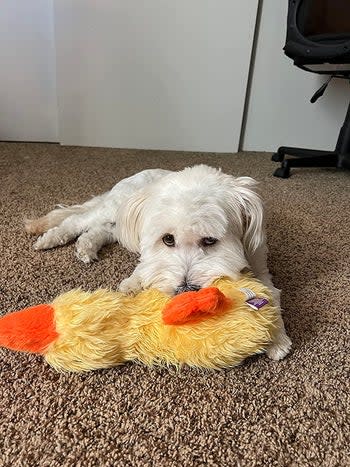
187, 288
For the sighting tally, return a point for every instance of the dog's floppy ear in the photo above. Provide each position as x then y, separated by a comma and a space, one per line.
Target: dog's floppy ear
131, 219
246, 200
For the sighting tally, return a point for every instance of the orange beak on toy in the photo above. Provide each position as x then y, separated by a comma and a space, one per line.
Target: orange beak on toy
194, 307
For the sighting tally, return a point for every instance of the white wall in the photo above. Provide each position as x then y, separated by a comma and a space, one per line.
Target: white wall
28, 107
279, 112
158, 74
161, 74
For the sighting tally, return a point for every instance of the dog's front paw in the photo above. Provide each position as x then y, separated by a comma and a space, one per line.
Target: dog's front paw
130, 286
280, 348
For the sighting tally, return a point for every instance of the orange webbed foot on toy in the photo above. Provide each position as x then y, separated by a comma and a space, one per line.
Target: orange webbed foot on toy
29, 330
193, 307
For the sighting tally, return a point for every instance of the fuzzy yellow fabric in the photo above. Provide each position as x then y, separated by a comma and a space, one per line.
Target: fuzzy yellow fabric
103, 329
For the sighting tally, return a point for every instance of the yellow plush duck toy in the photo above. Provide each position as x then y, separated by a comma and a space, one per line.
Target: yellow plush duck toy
216, 327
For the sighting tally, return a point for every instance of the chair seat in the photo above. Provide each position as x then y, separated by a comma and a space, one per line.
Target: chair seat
330, 39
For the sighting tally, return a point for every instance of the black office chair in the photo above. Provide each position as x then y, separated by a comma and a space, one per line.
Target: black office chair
318, 40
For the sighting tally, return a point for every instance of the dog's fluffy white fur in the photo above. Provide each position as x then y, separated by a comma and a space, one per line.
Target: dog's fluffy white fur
189, 227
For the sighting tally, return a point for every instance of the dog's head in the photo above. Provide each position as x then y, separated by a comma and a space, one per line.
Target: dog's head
192, 227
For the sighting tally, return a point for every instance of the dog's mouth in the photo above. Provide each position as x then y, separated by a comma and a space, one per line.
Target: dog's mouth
185, 287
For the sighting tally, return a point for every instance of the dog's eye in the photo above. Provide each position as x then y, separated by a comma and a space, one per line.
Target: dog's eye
169, 240
208, 241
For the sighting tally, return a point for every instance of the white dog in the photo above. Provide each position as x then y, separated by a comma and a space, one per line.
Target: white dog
189, 227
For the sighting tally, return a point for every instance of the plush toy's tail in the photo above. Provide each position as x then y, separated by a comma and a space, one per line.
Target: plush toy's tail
29, 330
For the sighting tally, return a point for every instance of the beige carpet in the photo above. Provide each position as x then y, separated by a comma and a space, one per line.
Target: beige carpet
292, 413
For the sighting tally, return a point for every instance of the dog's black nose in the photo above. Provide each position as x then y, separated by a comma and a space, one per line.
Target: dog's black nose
187, 288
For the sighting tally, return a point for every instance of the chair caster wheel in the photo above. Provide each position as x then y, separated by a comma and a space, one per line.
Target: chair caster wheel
277, 157
282, 172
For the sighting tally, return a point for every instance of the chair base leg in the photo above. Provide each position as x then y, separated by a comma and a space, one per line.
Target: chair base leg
307, 158
282, 172
340, 158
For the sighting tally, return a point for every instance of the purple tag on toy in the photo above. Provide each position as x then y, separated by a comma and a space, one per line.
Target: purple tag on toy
257, 303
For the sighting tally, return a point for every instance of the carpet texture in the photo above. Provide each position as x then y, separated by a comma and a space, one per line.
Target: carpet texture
295, 412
